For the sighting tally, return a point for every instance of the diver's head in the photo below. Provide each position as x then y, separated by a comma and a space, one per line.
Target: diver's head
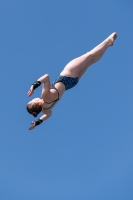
34, 107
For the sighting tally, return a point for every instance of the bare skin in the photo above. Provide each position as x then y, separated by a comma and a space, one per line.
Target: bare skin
75, 68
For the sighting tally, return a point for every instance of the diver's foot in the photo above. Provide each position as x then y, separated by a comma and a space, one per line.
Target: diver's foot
111, 39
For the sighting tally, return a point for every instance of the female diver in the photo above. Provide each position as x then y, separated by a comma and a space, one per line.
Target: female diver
68, 78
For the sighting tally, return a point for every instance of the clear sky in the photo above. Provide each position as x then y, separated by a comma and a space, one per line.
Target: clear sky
85, 150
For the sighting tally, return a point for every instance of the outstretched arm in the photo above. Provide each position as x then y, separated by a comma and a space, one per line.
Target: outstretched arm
46, 115
45, 80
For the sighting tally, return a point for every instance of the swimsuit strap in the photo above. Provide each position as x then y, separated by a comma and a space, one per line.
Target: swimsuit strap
53, 87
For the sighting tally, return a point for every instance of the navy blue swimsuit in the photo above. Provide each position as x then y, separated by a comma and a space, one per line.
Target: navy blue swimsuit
69, 83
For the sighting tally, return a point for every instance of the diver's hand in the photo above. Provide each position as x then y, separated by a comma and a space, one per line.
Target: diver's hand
31, 91
33, 125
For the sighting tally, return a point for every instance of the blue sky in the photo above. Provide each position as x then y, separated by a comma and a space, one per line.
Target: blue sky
85, 150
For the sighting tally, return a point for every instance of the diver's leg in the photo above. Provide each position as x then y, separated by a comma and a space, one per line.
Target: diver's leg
78, 66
